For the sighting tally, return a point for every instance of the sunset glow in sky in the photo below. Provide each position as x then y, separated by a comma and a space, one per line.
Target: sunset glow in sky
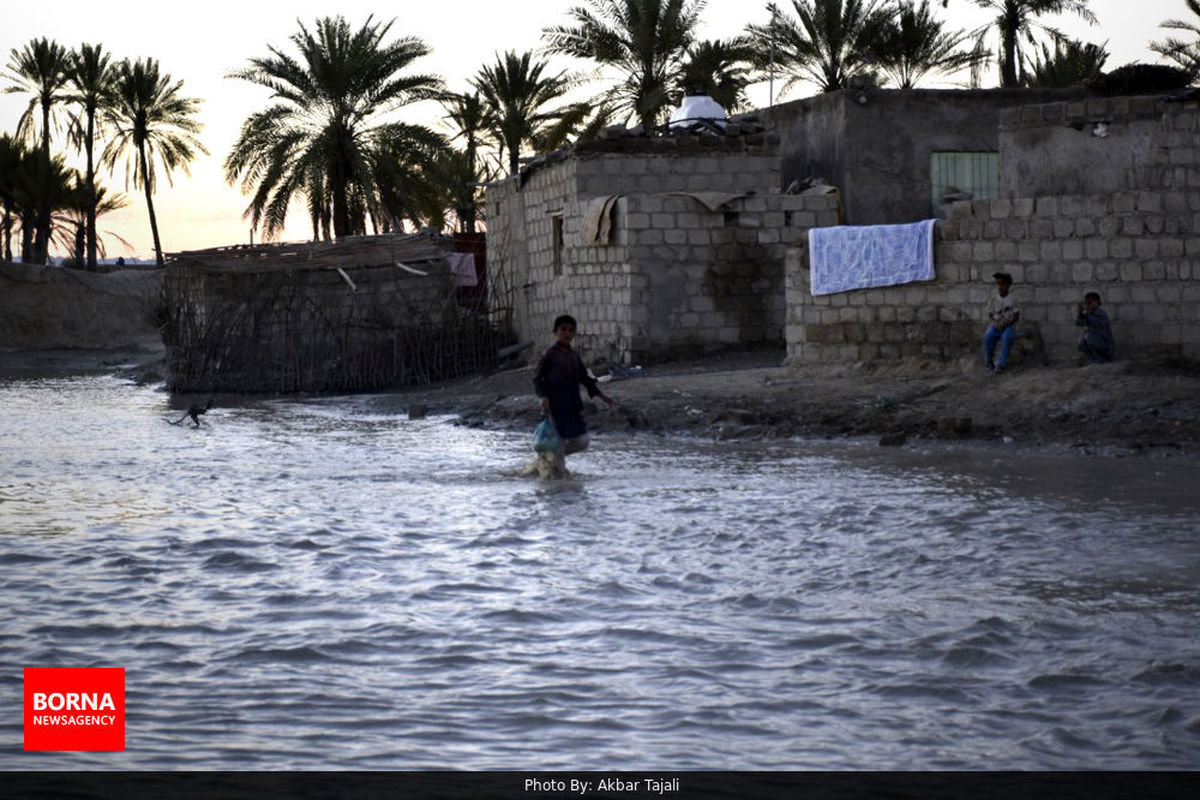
200, 43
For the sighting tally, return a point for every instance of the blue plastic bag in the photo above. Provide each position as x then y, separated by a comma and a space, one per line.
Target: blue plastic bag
546, 438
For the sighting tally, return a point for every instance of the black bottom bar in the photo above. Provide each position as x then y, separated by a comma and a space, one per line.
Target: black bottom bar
609, 785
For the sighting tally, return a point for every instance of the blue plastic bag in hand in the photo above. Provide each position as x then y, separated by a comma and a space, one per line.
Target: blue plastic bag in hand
545, 437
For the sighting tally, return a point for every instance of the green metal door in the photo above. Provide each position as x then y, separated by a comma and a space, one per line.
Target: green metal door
977, 173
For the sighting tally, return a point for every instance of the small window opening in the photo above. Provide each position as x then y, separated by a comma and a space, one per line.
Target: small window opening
557, 222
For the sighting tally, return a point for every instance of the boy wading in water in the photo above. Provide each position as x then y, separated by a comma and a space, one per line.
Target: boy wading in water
556, 381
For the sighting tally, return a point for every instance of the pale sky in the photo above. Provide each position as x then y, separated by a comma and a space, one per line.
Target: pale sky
199, 43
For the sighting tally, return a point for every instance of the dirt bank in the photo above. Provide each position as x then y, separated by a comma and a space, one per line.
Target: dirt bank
53, 308
1122, 407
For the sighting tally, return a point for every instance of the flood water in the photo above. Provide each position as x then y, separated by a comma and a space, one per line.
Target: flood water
325, 584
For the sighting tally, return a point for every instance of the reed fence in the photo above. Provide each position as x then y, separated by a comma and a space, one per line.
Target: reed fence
360, 314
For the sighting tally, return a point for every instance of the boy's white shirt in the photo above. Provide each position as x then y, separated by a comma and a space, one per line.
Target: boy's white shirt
998, 305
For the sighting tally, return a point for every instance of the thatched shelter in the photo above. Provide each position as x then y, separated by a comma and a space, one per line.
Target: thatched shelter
363, 313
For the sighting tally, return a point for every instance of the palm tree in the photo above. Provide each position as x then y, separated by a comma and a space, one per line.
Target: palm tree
721, 69
321, 136
1016, 20
18, 192
57, 189
461, 179
912, 43
1184, 53
828, 43
516, 93
92, 80
85, 204
12, 155
41, 70
34, 188
461, 171
1070, 64
151, 122
404, 165
643, 39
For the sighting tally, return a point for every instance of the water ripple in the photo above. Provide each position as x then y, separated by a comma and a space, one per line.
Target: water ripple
305, 583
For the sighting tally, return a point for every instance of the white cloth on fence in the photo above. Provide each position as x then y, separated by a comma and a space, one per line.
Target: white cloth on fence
849, 257
462, 267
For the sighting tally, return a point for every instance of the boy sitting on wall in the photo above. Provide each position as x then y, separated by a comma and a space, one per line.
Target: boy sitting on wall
1096, 344
1002, 315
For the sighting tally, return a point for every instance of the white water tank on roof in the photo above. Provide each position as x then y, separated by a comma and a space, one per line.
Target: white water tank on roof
698, 108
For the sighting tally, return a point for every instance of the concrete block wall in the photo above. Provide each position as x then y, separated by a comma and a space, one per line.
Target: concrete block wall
704, 280
1098, 146
705, 170
1131, 232
934, 320
676, 278
521, 244
1144, 262
876, 144
595, 285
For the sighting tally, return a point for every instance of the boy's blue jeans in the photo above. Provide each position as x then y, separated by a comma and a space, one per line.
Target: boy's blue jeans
1004, 337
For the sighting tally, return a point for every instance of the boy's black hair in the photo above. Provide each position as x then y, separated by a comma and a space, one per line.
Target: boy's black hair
564, 319
1003, 276
1090, 295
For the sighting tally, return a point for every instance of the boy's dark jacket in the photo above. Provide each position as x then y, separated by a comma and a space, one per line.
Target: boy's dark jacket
559, 374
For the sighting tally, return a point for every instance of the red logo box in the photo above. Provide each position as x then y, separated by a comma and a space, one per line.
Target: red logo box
74, 709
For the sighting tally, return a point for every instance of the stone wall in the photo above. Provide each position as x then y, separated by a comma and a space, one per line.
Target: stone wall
1138, 246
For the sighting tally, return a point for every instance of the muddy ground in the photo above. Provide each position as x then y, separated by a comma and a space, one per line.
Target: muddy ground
1126, 407
1122, 408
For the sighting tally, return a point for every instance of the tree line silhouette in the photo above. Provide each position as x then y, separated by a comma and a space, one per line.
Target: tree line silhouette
331, 137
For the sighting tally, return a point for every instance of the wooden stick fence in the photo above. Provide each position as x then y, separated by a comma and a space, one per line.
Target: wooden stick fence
369, 313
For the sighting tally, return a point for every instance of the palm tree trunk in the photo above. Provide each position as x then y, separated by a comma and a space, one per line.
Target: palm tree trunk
89, 145
41, 244
472, 213
645, 117
28, 225
341, 203
158, 256
341, 211
7, 234
1008, 46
